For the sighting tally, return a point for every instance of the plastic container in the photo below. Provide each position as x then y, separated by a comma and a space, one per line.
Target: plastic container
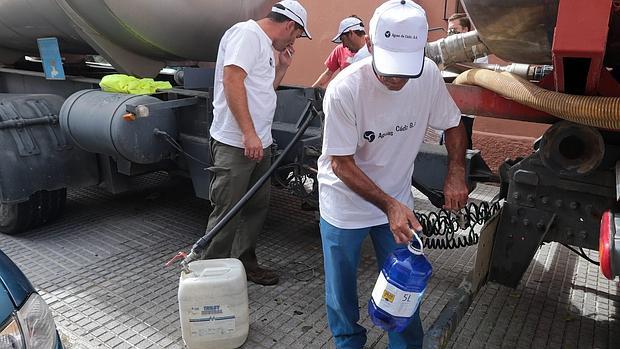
400, 287
213, 304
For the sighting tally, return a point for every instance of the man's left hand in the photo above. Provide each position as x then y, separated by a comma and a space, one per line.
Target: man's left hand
455, 191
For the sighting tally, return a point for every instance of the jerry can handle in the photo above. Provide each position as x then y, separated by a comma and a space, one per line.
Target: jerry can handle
414, 249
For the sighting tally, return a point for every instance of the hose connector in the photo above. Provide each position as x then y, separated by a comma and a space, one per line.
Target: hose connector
464, 47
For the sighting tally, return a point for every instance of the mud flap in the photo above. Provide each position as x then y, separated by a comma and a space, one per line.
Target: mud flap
442, 329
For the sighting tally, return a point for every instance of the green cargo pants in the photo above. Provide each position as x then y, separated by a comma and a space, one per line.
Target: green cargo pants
232, 176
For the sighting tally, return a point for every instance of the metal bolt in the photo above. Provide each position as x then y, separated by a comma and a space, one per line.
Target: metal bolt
574, 205
526, 222
545, 200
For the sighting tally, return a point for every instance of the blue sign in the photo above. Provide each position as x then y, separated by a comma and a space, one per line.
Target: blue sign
50, 57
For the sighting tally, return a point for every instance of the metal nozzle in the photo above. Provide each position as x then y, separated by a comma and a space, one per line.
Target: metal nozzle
192, 256
526, 71
464, 47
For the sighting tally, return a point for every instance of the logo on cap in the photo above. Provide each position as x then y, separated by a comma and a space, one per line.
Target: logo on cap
388, 34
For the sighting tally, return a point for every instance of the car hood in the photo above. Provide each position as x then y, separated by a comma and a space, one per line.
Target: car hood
6, 305
14, 281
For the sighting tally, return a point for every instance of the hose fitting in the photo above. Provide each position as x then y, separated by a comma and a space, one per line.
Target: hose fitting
464, 47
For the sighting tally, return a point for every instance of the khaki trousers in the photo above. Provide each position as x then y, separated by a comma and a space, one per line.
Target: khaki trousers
232, 176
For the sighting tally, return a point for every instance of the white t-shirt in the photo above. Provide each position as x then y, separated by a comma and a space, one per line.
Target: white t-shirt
247, 46
383, 131
359, 55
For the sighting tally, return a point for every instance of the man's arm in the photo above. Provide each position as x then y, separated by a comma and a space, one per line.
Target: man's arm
400, 217
323, 79
285, 58
237, 99
455, 189
280, 72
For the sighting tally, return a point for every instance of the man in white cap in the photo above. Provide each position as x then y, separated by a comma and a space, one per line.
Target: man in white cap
246, 74
351, 36
376, 113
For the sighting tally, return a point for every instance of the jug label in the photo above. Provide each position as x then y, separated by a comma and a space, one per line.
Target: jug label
393, 300
214, 320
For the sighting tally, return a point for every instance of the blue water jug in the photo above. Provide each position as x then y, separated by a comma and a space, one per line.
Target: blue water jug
400, 286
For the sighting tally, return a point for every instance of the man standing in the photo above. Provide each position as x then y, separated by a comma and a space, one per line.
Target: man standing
460, 23
376, 114
351, 35
246, 75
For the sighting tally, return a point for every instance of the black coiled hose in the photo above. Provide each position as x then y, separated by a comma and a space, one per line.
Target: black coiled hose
439, 228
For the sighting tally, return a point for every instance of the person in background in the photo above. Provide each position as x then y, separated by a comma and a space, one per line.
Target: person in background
247, 72
351, 37
460, 23
373, 110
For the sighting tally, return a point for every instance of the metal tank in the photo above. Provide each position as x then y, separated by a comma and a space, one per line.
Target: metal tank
515, 30
94, 120
138, 37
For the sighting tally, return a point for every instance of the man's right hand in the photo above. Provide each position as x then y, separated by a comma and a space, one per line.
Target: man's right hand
253, 147
402, 220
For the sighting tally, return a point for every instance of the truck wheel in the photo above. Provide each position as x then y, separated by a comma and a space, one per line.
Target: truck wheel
42, 207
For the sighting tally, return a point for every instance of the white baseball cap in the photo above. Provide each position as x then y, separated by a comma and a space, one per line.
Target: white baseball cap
293, 10
347, 25
398, 31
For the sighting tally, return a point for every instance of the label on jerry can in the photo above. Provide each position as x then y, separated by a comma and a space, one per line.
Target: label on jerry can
393, 300
211, 321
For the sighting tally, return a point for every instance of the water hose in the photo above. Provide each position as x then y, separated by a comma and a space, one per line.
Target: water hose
596, 111
306, 119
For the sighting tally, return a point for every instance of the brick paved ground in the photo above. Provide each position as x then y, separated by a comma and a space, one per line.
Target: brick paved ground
100, 267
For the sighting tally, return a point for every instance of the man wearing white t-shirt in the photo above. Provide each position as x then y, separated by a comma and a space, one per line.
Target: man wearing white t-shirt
246, 74
376, 113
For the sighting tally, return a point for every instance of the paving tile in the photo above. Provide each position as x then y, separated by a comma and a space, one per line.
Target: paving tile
100, 268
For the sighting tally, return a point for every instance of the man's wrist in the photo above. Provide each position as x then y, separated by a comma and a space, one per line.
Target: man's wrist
456, 168
249, 133
388, 203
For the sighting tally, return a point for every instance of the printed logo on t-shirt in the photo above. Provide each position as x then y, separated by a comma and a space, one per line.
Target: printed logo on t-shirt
388, 34
370, 135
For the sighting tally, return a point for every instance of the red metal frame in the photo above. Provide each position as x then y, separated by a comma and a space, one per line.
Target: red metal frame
474, 100
581, 32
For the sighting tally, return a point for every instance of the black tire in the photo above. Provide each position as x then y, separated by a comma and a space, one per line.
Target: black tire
42, 207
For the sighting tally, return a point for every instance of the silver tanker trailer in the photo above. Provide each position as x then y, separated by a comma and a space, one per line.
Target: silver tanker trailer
59, 134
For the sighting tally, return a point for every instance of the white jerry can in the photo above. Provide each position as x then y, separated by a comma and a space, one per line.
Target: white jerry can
213, 304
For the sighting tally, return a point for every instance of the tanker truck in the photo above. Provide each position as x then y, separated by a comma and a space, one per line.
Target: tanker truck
65, 133
59, 134
564, 72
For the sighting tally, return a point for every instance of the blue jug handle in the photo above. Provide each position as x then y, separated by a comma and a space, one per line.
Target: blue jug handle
413, 249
